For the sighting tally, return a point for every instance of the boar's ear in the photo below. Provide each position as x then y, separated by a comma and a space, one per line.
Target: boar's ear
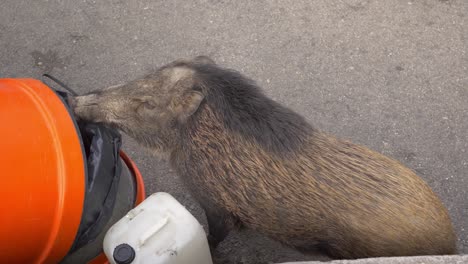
187, 104
203, 60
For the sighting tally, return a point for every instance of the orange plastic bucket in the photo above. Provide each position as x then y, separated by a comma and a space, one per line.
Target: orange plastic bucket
43, 174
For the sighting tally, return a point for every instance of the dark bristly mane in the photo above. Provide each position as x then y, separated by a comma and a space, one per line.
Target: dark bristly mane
247, 111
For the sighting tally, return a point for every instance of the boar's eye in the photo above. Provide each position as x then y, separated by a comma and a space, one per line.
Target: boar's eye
145, 102
148, 105
145, 109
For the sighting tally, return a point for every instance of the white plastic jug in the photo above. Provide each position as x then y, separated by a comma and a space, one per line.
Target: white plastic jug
158, 231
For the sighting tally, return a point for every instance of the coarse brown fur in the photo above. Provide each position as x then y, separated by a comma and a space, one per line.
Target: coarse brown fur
251, 162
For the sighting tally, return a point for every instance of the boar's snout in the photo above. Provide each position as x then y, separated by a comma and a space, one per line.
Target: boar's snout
71, 101
86, 107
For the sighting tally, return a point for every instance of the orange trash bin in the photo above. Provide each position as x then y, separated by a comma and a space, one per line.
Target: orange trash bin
43, 170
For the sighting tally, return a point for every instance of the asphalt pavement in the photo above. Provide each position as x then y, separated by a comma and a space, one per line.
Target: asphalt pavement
391, 75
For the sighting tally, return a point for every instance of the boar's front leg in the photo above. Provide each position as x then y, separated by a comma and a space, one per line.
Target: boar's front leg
220, 223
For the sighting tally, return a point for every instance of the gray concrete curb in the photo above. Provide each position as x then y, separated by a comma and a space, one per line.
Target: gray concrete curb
456, 259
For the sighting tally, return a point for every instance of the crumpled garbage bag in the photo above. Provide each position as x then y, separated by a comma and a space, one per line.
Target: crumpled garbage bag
103, 169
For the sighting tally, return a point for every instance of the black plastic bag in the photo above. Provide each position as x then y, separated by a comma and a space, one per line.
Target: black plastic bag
103, 169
